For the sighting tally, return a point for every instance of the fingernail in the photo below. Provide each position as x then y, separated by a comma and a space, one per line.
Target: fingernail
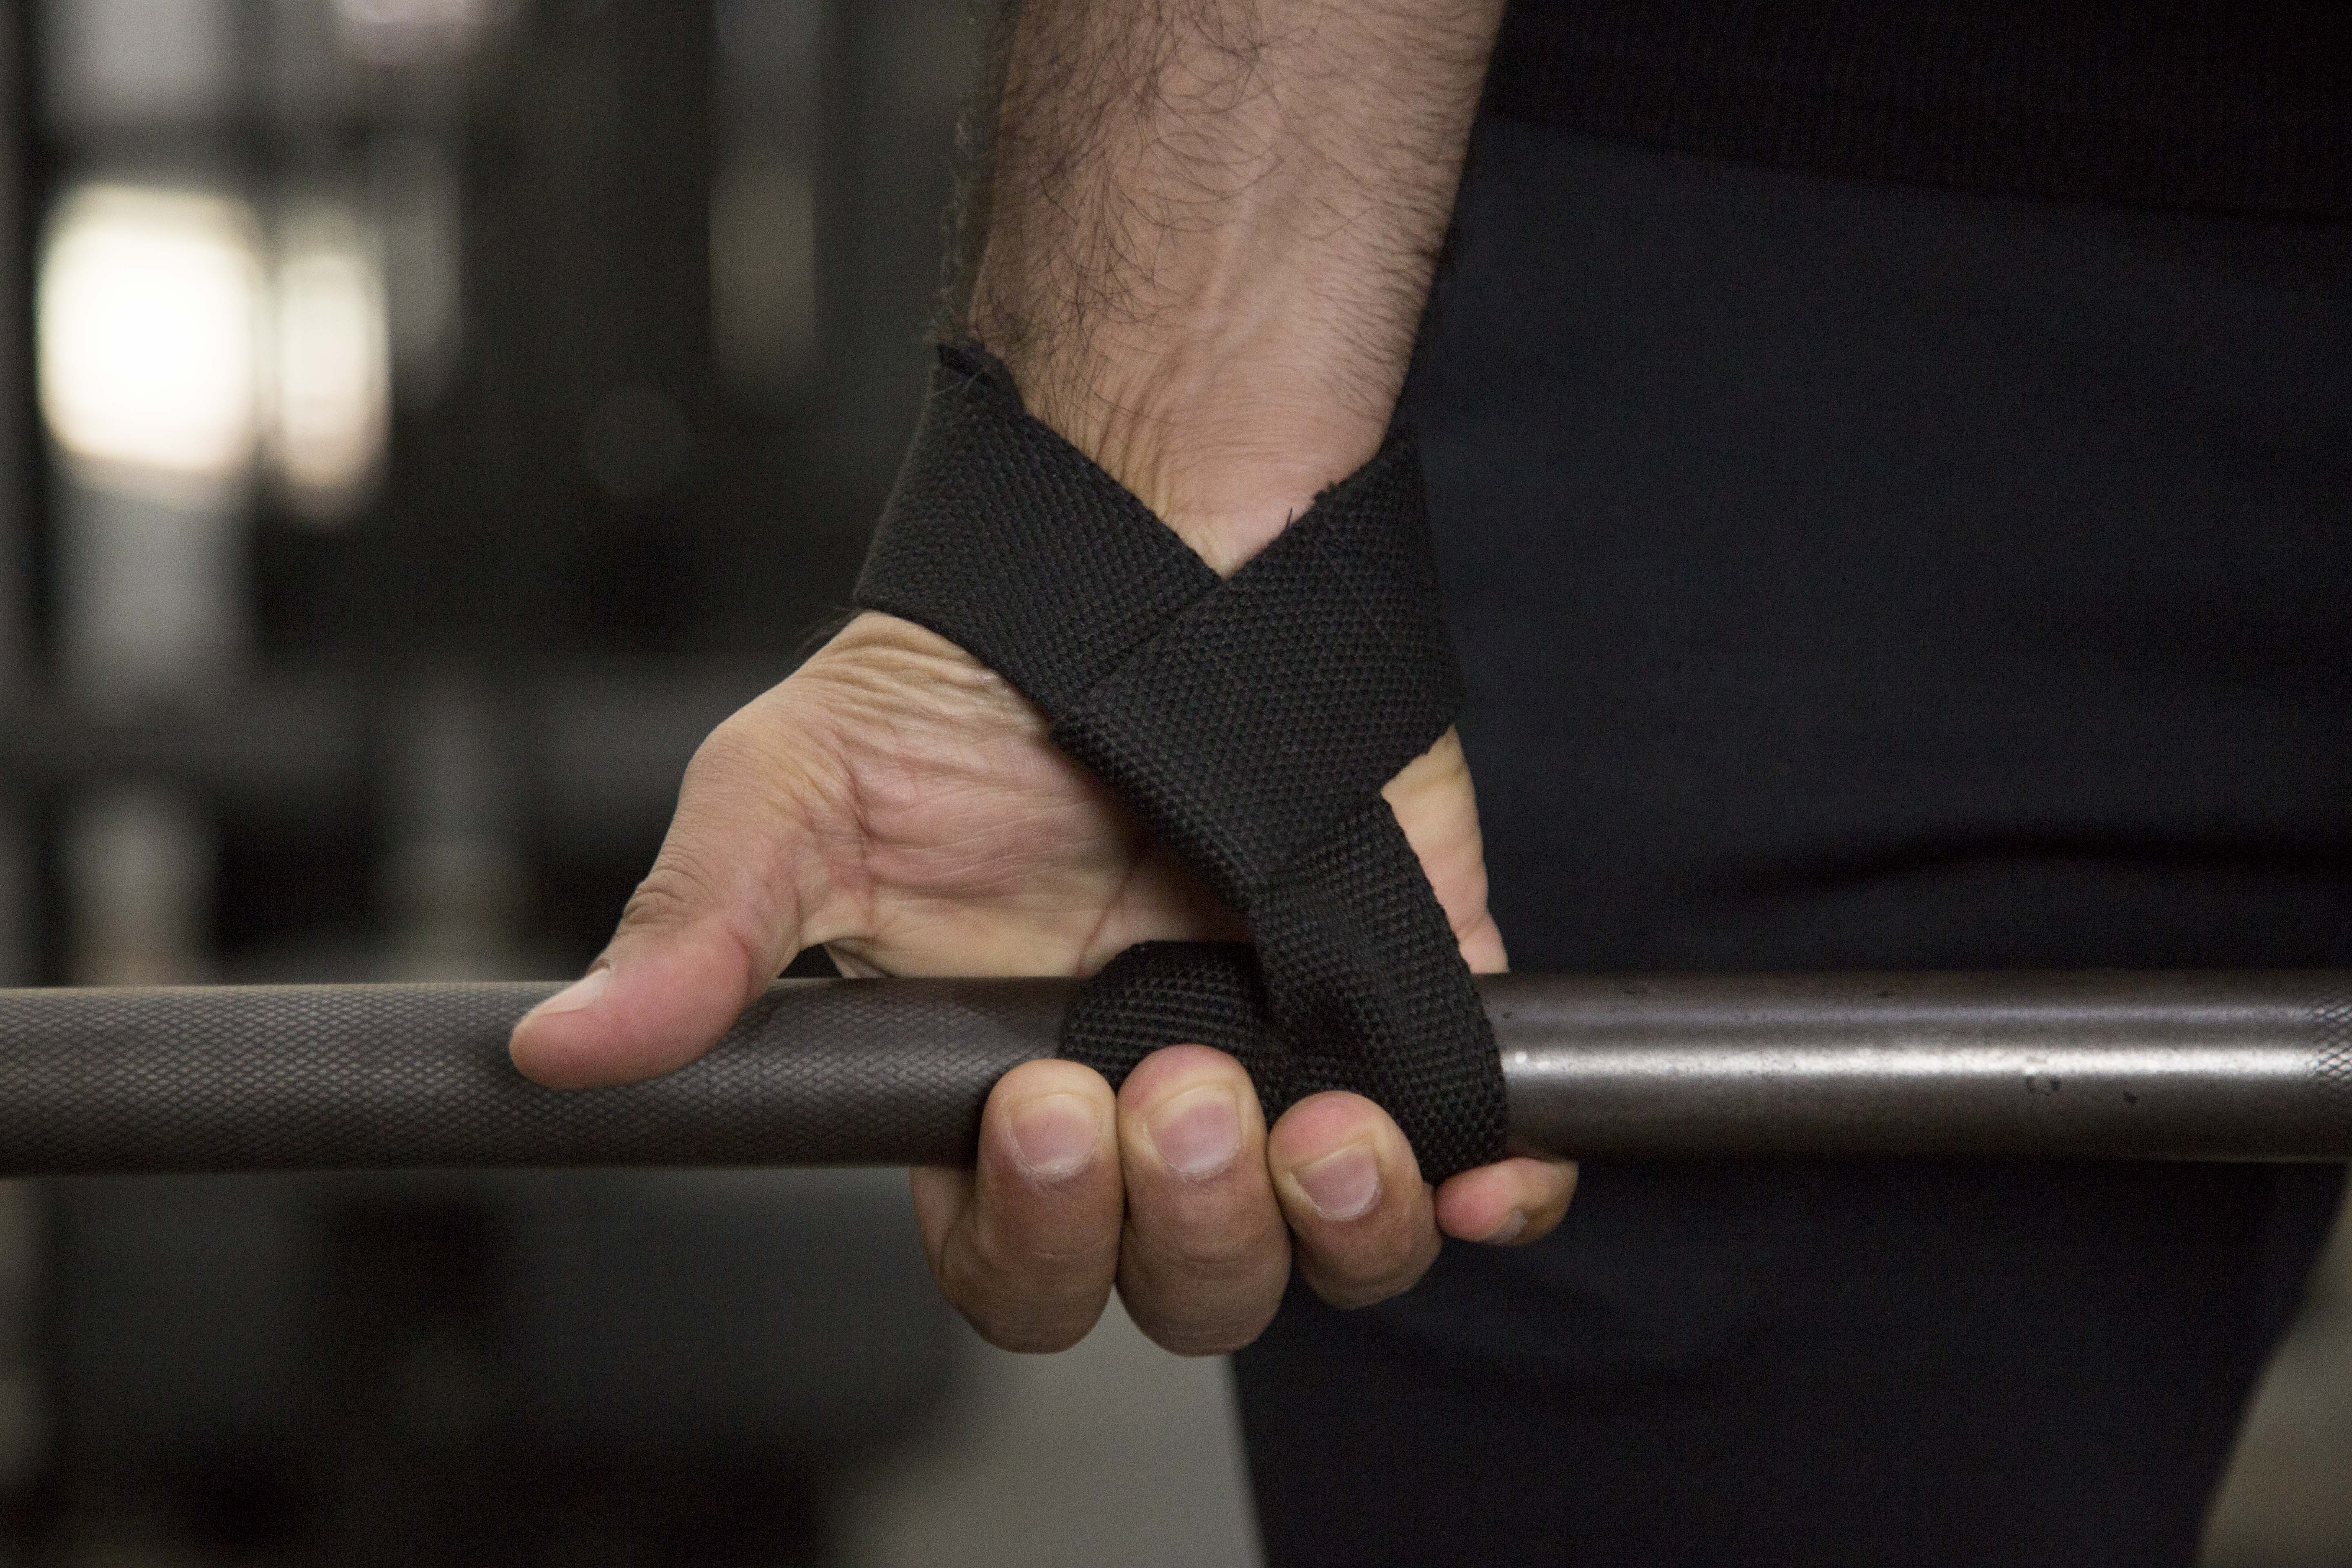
1513, 1223
1199, 1133
1344, 1186
582, 993
1055, 1135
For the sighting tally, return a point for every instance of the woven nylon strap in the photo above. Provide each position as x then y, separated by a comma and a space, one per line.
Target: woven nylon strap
1250, 722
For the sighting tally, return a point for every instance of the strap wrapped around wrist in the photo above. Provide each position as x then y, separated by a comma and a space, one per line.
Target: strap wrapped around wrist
1250, 722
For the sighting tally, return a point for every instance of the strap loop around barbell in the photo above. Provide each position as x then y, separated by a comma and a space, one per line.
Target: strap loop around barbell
1251, 723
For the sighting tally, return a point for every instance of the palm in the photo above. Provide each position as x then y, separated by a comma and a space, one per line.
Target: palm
954, 838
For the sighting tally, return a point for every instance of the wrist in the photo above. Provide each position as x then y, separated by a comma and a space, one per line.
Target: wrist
1226, 443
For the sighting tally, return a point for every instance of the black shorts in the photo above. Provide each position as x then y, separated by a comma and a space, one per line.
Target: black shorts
1858, 575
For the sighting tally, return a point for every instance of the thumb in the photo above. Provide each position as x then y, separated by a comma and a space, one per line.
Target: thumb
716, 920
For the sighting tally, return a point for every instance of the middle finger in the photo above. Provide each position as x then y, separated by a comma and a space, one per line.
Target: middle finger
1205, 1255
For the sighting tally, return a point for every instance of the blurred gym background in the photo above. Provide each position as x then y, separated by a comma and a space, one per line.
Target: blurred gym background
420, 421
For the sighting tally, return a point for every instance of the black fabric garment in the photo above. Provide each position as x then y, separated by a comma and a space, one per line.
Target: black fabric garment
2244, 107
1848, 575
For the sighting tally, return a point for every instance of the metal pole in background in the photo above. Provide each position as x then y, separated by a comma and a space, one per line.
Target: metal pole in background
19, 888
22, 1242
2109, 1064
154, 484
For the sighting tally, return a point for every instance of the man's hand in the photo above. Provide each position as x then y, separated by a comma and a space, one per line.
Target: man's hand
1207, 229
900, 804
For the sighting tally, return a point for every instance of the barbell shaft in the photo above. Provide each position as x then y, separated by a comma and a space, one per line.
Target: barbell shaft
2103, 1064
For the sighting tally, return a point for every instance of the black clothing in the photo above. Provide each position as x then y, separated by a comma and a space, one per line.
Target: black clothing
2237, 105
1855, 575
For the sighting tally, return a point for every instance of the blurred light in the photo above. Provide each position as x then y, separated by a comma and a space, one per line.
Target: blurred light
636, 442
331, 358
763, 272
414, 32
148, 320
138, 62
414, 196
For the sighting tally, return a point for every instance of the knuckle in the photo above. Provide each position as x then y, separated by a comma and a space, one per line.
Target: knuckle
1202, 1339
1027, 1333
1211, 1253
757, 766
1350, 1291
732, 750
1352, 1297
1182, 1319
1028, 1315
1367, 1278
1188, 1311
677, 892
993, 1269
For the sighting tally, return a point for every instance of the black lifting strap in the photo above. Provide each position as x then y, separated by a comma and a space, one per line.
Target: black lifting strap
1250, 722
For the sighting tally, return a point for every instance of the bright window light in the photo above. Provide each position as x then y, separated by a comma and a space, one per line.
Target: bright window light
334, 369
149, 320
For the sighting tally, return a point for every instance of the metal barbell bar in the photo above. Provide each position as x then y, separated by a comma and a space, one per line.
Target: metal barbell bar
2097, 1065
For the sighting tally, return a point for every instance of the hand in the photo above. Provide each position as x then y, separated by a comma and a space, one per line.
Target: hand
900, 804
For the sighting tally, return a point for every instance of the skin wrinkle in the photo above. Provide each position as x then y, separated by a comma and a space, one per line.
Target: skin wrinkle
900, 777
975, 867
659, 902
895, 776
1043, 1321
1094, 952
1198, 1258
908, 752
990, 1251
826, 802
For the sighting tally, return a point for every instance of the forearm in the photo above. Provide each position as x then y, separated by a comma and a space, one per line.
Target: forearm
1211, 228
